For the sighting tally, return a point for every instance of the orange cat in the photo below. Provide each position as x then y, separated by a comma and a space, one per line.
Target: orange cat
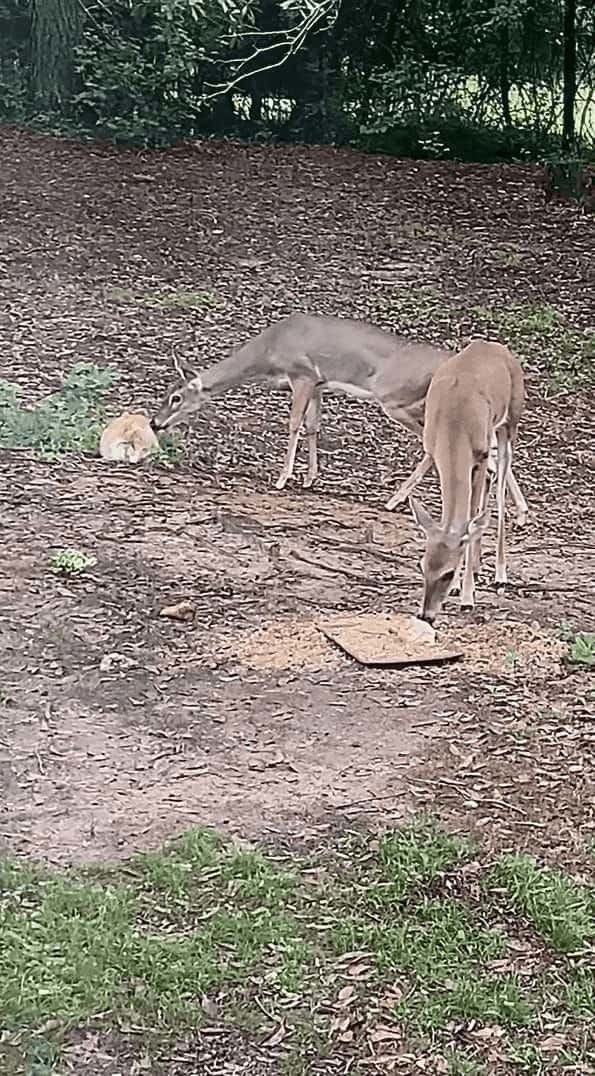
128, 438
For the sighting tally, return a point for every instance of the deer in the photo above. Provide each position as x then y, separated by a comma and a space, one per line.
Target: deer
313, 353
474, 396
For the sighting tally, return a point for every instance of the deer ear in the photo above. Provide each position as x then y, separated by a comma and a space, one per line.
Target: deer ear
421, 516
477, 526
194, 381
185, 373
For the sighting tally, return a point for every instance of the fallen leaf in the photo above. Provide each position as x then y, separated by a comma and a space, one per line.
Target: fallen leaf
358, 970
382, 1033
553, 1043
209, 1007
346, 993
183, 611
276, 1037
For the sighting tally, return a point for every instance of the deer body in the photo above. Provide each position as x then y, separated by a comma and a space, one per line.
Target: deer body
313, 353
128, 438
474, 397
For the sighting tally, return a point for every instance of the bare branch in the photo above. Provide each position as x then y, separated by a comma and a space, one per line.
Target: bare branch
320, 14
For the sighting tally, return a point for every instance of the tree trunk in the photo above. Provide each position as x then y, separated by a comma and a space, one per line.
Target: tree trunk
504, 77
55, 31
568, 135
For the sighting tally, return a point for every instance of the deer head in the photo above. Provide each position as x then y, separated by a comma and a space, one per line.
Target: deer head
182, 400
445, 548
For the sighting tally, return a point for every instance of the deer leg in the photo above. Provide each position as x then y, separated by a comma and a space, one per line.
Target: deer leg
301, 393
312, 424
478, 486
520, 503
410, 483
412, 419
504, 457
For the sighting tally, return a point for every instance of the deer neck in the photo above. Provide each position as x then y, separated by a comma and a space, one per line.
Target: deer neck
246, 364
455, 468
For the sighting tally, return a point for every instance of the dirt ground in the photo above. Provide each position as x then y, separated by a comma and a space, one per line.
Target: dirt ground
119, 727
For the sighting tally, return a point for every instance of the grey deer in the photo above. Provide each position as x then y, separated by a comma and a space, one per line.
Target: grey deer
315, 352
474, 396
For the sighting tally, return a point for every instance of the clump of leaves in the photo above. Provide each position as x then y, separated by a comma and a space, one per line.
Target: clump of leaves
169, 451
71, 562
69, 420
581, 649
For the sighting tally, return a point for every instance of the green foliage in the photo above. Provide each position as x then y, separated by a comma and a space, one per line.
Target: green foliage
543, 332
581, 649
558, 907
468, 81
66, 421
71, 562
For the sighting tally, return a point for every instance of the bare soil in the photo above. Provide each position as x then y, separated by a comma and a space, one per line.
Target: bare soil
119, 727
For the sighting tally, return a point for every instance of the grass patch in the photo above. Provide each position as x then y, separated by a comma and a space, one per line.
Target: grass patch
167, 298
364, 942
559, 909
536, 332
540, 332
70, 420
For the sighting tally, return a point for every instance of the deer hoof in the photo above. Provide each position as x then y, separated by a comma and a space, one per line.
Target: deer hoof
281, 482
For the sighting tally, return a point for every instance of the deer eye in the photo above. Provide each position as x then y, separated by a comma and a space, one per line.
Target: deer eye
175, 399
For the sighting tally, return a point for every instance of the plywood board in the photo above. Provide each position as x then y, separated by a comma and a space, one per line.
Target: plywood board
387, 639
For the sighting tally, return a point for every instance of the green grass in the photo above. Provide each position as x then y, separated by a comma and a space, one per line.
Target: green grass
536, 332
392, 920
70, 420
167, 298
559, 909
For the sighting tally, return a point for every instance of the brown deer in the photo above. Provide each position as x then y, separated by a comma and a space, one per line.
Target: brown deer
473, 397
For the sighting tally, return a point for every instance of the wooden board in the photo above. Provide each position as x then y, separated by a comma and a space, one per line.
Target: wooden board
387, 639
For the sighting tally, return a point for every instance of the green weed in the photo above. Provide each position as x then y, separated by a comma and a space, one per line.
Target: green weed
70, 420
71, 562
581, 649
167, 299
537, 332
